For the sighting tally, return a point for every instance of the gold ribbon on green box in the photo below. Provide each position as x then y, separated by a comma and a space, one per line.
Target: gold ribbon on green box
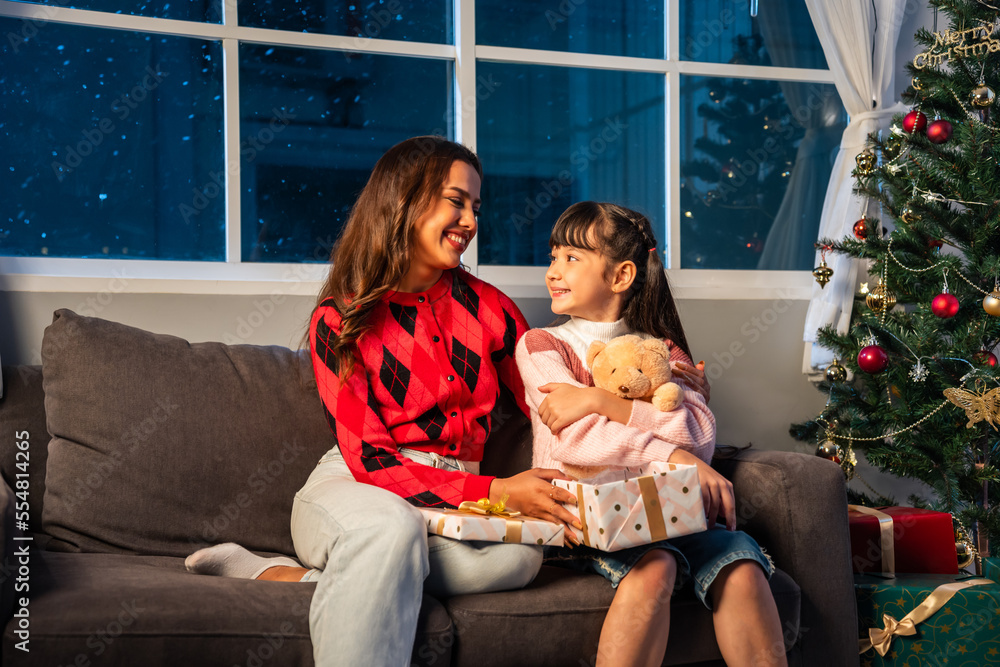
881, 638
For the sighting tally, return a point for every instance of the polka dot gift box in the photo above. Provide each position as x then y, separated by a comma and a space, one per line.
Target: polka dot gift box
626, 508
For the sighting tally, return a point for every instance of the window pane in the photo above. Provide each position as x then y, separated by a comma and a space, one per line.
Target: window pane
405, 20
720, 31
552, 136
313, 124
111, 141
755, 163
209, 11
608, 27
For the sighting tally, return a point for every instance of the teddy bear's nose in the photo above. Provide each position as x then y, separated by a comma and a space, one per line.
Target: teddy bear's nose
623, 389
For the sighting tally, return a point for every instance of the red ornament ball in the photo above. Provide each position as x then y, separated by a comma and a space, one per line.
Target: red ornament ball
939, 132
873, 359
915, 121
986, 358
944, 305
861, 229
934, 244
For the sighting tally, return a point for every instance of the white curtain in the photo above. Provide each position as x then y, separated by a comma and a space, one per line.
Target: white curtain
846, 30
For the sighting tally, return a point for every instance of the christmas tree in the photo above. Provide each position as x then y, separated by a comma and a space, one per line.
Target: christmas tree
731, 193
924, 398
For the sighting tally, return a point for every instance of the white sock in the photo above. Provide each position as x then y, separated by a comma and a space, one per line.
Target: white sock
232, 560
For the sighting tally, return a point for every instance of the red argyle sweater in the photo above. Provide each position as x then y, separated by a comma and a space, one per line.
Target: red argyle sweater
429, 372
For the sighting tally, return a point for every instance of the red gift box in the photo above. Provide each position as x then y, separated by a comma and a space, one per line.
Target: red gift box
922, 541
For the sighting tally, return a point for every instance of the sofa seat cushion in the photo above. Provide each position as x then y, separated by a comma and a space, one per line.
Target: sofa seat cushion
557, 621
160, 446
148, 610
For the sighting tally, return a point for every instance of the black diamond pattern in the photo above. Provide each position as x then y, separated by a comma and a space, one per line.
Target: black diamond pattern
321, 343
509, 339
466, 362
428, 499
405, 315
332, 421
375, 458
465, 295
484, 421
432, 422
394, 375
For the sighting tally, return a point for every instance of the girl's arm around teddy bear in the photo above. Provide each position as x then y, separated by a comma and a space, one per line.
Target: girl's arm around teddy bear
596, 439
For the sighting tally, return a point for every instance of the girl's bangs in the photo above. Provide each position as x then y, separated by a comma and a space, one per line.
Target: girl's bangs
573, 229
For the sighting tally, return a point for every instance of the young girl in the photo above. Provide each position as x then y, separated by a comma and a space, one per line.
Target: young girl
606, 275
410, 354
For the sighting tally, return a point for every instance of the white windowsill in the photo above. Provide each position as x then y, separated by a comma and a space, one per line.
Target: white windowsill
33, 274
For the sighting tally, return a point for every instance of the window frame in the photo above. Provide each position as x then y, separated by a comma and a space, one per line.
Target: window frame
233, 276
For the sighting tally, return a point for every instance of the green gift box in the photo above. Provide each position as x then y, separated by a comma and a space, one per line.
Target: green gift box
991, 568
964, 632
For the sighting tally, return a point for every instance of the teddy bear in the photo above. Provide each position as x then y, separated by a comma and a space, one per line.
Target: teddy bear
637, 368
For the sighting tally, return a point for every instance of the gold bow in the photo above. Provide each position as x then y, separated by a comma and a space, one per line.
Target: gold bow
485, 507
881, 638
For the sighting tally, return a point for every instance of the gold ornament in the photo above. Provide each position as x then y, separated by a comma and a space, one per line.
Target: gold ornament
982, 96
966, 554
829, 450
991, 303
866, 162
980, 406
881, 299
915, 82
893, 146
909, 215
822, 273
836, 372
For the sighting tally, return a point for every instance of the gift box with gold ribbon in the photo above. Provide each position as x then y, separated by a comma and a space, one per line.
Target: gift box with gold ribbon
901, 539
491, 523
626, 508
928, 619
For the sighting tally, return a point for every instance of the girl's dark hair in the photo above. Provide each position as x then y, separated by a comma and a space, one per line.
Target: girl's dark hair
372, 253
622, 235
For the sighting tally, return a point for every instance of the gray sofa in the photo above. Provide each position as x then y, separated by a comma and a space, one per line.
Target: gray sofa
142, 448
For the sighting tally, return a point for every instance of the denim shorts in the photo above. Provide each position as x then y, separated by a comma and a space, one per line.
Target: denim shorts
700, 558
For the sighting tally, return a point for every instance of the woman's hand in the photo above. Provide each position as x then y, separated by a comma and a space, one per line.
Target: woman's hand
716, 490
565, 404
694, 376
532, 494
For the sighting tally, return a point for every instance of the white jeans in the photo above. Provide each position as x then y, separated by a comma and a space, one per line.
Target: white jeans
377, 560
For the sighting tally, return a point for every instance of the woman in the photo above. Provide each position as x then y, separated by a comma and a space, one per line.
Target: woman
410, 354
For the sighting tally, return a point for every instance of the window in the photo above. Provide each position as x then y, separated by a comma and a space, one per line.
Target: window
250, 127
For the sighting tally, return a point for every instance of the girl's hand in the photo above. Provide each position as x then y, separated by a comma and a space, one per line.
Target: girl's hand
694, 376
532, 494
565, 404
716, 490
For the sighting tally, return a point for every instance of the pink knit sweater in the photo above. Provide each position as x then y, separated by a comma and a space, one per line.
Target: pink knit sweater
557, 354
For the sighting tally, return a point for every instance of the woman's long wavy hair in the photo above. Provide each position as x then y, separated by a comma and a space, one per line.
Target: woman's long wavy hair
621, 235
372, 254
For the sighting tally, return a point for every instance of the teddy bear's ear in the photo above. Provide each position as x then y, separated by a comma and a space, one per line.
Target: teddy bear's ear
595, 349
657, 347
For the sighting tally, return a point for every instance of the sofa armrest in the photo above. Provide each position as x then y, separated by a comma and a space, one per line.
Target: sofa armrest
795, 506
8, 561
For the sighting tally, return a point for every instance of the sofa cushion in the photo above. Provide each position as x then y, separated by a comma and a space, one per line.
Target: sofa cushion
160, 446
113, 609
560, 607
